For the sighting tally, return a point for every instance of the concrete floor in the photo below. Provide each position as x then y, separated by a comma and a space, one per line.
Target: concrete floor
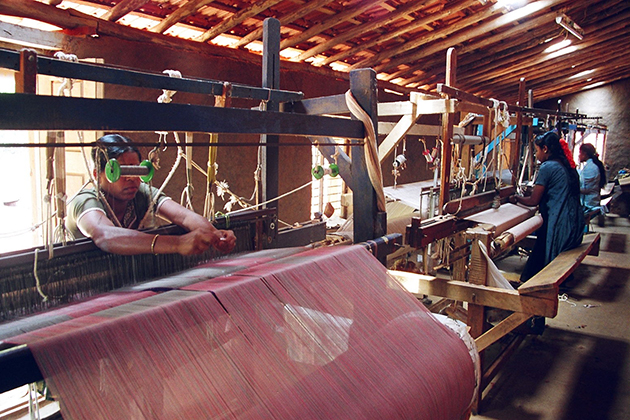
579, 368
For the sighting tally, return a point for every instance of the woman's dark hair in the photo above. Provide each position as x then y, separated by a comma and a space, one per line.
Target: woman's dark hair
109, 147
589, 150
551, 139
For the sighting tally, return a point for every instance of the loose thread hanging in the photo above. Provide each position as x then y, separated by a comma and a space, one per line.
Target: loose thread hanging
37, 281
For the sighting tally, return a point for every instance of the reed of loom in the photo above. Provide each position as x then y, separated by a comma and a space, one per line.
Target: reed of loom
80, 269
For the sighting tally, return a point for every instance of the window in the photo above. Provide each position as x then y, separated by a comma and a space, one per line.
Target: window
23, 207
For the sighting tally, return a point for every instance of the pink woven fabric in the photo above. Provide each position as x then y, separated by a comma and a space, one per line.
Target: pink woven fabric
322, 334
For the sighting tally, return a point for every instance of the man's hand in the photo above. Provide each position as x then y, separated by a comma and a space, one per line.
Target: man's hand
226, 240
199, 240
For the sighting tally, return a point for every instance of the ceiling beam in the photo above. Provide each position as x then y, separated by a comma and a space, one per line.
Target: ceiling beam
122, 8
237, 19
359, 30
180, 14
329, 23
470, 31
416, 24
285, 20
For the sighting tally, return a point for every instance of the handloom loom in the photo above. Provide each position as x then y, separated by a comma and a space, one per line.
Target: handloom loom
479, 227
285, 333
289, 333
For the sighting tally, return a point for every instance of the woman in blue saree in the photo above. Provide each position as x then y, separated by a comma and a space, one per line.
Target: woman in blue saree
557, 194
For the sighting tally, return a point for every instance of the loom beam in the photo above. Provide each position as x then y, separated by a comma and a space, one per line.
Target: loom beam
131, 77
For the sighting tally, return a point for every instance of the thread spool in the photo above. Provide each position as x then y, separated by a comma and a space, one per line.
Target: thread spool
114, 170
319, 171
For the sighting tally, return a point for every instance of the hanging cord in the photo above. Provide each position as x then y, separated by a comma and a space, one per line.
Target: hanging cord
213, 168
66, 83
148, 221
273, 199
495, 118
371, 153
37, 281
187, 193
223, 188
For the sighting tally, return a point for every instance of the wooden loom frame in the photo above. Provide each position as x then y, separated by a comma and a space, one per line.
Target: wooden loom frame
539, 295
287, 113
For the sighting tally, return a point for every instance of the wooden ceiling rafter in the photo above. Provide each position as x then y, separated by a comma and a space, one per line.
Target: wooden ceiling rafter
522, 67
548, 73
122, 8
421, 22
460, 36
237, 18
329, 23
392, 16
179, 15
285, 20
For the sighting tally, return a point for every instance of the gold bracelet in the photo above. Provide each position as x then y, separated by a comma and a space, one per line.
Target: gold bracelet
153, 244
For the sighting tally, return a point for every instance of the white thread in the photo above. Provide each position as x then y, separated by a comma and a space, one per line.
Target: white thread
565, 298
167, 95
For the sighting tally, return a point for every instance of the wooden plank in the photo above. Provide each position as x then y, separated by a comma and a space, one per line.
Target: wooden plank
541, 304
460, 206
389, 109
64, 113
392, 140
500, 330
550, 277
462, 95
436, 106
334, 104
137, 78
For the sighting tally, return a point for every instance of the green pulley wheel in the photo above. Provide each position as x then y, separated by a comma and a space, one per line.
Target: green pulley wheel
112, 170
149, 176
318, 172
334, 169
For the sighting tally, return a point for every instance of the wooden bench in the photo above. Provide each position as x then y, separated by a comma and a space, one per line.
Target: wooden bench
557, 271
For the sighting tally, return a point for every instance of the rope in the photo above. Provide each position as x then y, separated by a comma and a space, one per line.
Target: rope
222, 186
66, 83
369, 147
37, 282
167, 95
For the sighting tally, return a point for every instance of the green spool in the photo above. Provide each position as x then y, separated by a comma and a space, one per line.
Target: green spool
334, 169
318, 172
112, 170
149, 176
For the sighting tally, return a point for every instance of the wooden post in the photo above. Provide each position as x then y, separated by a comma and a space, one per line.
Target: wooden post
271, 155
516, 146
477, 313
368, 222
270, 80
26, 78
448, 120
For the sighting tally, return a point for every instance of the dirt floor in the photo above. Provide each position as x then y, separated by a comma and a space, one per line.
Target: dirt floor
579, 368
